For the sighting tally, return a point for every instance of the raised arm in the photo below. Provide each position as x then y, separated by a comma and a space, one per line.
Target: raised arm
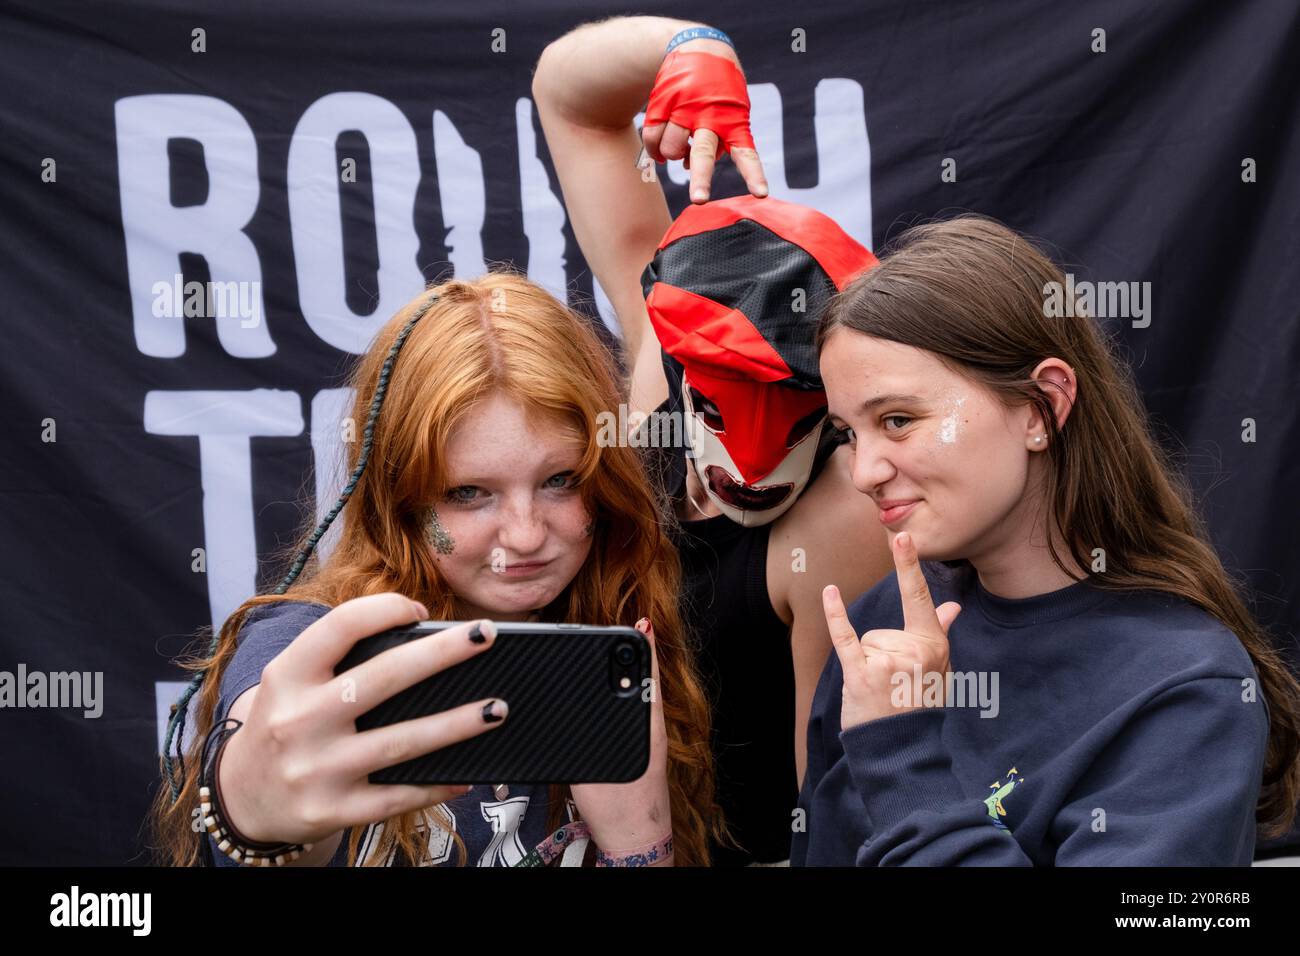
589, 85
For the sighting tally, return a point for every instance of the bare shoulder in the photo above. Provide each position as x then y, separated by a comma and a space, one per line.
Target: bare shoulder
832, 535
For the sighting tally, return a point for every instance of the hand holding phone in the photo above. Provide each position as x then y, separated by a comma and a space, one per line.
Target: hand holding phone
297, 770
580, 707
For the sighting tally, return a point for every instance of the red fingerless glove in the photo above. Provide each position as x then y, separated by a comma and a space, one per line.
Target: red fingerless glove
702, 91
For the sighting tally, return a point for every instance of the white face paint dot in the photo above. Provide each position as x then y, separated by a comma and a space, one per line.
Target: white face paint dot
949, 426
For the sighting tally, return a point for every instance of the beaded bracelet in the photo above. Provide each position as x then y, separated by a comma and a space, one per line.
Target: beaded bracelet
229, 840
698, 33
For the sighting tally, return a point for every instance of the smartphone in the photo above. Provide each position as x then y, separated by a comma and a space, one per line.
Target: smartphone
579, 698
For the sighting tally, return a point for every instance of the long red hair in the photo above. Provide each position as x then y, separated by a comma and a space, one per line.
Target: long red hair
497, 332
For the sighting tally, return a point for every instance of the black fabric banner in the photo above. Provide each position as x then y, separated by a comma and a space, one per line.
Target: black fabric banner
153, 460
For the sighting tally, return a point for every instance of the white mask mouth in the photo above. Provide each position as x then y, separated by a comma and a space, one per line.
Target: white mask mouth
742, 502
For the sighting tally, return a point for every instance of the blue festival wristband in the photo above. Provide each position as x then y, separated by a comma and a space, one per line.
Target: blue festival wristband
698, 33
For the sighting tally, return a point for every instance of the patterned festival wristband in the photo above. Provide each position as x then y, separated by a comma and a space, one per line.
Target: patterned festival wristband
641, 856
698, 33
553, 847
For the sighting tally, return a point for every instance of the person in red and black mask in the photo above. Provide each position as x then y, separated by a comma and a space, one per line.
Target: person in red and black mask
718, 310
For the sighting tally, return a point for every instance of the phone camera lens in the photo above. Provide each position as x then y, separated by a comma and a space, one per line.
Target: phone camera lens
625, 654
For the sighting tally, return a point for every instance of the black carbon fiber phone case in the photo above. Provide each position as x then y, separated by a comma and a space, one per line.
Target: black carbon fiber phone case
569, 720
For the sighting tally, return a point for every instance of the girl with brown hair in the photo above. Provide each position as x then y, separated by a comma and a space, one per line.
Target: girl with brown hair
487, 496
1076, 681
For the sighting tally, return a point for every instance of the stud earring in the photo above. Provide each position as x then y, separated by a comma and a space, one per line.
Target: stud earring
1038, 439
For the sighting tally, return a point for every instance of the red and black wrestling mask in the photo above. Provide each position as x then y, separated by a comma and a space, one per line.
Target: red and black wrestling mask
734, 293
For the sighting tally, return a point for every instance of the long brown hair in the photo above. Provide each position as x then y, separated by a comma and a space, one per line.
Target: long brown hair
496, 332
972, 292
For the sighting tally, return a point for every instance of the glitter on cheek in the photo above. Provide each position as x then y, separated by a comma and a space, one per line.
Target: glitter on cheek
948, 427
437, 535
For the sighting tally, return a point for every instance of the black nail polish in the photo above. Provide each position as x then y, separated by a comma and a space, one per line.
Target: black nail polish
476, 635
488, 716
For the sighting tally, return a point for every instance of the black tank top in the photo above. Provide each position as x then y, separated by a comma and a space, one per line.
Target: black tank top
743, 654
744, 661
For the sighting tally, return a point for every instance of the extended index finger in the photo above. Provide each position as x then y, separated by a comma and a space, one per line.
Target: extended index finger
319, 648
919, 616
704, 153
397, 668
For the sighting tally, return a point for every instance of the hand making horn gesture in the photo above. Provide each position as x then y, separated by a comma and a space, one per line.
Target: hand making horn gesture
871, 664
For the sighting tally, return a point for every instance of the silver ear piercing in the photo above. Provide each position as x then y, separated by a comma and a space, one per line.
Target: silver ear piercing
1038, 439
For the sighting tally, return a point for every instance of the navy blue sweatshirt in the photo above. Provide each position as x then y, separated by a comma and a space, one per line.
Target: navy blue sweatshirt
1120, 729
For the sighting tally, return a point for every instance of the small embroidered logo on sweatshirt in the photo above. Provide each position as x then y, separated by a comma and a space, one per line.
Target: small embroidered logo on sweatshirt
1000, 792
